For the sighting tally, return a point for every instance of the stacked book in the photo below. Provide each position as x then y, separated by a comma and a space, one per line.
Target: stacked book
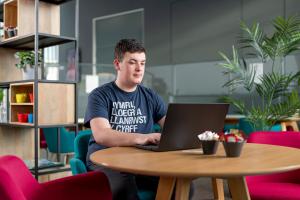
43, 164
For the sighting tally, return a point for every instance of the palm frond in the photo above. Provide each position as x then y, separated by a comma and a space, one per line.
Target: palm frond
244, 76
286, 108
259, 118
273, 86
231, 65
287, 35
254, 37
236, 103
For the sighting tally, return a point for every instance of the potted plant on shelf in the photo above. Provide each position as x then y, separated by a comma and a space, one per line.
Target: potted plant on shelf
26, 63
276, 92
1, 95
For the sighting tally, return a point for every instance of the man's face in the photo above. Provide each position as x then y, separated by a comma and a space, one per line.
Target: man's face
131, 69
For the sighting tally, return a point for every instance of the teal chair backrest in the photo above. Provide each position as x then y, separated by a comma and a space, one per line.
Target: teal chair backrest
81, 143
246, 127
66, 139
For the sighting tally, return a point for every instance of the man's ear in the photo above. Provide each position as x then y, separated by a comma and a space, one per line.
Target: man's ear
116, 64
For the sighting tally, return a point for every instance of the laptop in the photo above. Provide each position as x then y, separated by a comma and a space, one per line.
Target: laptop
185, 121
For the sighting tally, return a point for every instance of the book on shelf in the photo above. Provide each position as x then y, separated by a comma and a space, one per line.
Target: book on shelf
43, 164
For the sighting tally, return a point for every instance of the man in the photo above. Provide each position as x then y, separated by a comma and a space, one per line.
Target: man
122, 113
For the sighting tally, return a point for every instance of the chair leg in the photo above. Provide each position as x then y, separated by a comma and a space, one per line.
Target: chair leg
292, 124
218, 188
69, 156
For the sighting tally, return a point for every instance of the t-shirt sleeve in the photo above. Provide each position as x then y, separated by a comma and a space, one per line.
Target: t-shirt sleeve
160, 109
96, 107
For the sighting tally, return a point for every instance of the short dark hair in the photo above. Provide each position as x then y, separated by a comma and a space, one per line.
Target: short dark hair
128, 45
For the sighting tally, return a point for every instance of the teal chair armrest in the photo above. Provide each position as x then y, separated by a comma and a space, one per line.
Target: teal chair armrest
87, 131
77, 166
146, 194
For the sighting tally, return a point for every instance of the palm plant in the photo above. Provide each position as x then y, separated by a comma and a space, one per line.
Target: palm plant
277, 100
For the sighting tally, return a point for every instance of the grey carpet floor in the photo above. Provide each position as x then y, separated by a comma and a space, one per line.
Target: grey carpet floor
203, 190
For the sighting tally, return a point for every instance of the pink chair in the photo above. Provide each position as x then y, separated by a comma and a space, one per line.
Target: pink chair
17, 183
280, 186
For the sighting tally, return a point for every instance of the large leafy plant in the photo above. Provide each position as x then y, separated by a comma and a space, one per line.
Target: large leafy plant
277, 92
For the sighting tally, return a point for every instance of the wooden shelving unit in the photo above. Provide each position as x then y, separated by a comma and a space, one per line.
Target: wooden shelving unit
54, 103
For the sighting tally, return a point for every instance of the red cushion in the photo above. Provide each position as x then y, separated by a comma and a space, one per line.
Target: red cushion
274, 191
279, 186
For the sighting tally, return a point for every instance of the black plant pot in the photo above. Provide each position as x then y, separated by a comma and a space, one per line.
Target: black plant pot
233, 149
11, 32
209, 146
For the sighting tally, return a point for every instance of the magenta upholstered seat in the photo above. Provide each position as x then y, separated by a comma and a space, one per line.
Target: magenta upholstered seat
280, 186
17, 183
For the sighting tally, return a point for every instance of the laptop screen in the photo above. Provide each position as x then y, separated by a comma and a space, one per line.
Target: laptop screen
185, 121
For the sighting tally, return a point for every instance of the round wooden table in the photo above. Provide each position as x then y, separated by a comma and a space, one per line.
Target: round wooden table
184, 166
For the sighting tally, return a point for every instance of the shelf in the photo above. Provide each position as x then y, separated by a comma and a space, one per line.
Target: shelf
21, 104
27, 42
57, 81
52, 170
29, 125
57, 125
57, 2
23, 83
20, 124
6, 84
43, 164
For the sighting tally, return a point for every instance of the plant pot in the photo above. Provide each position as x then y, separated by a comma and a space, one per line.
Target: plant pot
11, 32
21, 97
209, 146
22, 117
31, 97
233, 149
30, 118
29, 73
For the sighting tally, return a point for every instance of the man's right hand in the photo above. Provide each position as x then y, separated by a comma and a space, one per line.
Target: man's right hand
150, 138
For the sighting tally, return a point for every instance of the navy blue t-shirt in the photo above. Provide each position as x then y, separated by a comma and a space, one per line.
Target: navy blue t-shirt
132, 112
